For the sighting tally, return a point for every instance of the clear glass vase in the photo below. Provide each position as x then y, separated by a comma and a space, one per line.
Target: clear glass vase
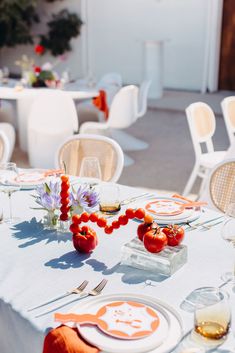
50, 220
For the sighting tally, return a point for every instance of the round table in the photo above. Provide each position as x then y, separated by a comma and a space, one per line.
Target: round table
24, 97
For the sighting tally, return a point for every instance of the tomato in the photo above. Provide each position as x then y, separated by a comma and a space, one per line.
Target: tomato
102, 222
142, 229
130, 213
108, 229
148, 218
65, 186
140, 213
155, 240
115, 225
85, 217
74, 228
94, 217
64, 194
64, 209
64, 178
65, 201
123, 220
64, 217
76, 219
174, 233
86, 240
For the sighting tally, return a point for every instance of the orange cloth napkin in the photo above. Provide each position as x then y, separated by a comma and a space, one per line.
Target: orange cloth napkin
64, 339
101, 103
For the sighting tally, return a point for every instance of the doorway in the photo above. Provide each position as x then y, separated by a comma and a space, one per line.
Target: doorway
227, 54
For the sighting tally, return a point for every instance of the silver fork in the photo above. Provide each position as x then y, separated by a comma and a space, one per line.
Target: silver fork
77, 290
95, 291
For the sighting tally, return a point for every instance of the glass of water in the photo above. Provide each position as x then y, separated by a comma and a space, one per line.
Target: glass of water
9, 185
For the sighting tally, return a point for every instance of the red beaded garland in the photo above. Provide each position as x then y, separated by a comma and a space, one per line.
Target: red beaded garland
64, 198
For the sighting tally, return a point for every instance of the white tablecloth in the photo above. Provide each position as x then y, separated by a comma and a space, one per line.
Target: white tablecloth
37, 265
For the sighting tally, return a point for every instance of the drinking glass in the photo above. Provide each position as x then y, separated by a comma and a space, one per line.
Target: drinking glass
109, 198
9, 185
90, 168
228, 234
212, 317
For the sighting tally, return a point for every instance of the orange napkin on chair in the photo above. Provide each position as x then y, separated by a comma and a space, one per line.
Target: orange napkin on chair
64, 339
101, 103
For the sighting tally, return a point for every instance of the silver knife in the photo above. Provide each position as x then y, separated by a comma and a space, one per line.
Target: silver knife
77, 290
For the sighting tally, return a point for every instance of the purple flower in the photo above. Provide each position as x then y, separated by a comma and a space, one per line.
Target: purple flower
48, 195
84, 198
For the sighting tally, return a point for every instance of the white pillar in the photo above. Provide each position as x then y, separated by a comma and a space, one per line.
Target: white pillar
153, 66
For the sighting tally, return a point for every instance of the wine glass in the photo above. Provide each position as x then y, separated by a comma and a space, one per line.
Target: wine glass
90, 168
228, 234
9, 185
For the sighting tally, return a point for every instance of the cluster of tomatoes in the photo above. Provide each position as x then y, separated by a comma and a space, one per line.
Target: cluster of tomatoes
85, 238
64, 198
154, 238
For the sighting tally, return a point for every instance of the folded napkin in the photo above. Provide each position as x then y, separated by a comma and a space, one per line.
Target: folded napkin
101, 103
64, 339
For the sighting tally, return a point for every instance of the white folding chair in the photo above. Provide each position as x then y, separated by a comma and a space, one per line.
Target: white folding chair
228, 109
52, 118
201, 121
106, 150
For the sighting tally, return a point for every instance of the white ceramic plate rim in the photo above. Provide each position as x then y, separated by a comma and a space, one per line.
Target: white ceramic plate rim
150, 300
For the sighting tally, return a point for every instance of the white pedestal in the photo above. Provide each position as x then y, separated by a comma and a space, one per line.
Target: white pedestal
153, 66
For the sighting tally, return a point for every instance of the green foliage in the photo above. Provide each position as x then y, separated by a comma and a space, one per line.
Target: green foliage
18, 16
16, 19
62, 28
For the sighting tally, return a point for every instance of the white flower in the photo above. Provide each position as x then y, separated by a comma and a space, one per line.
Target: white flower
47, 67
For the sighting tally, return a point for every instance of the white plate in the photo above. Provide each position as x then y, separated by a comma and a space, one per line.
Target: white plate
188, 215
162, 341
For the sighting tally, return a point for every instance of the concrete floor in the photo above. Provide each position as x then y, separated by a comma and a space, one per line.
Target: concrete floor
167, 162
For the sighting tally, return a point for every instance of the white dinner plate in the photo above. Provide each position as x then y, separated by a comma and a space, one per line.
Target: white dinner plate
188, 215
164, 339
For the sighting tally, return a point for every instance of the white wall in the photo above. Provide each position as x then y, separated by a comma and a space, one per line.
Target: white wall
8, 56
117, 29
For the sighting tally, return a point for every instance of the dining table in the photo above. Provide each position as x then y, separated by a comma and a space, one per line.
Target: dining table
22, 99
38, 264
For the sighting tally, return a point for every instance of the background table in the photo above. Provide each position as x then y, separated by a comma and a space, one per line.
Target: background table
24, 99
37, 265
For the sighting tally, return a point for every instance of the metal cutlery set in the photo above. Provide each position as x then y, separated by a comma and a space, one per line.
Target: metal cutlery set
78, 292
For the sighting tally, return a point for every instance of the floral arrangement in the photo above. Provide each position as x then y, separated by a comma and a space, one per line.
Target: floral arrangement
40, 75
48, 198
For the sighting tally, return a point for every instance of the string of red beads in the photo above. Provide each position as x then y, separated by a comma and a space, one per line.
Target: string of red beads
64, 198
102, 222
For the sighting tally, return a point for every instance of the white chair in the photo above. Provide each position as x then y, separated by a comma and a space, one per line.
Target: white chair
111, 84
122, 114
201, 121
228, 109
4, 148
52, 118
8, 141
106, 150
7, 112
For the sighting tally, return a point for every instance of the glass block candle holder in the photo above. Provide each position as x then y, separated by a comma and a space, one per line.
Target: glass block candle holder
166, 262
